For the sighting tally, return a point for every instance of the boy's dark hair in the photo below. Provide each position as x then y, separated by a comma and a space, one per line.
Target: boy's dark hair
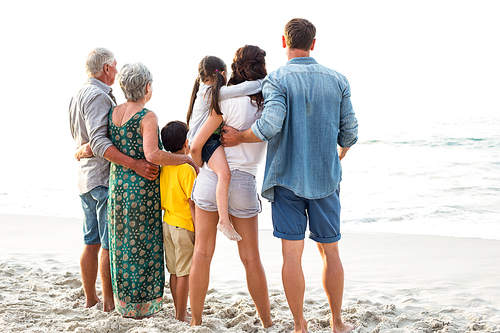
299, 34
173, 135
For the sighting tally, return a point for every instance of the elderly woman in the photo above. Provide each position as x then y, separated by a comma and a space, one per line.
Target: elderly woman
134, 213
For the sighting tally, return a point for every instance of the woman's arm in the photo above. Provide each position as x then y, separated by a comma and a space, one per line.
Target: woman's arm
207, 129
153, 154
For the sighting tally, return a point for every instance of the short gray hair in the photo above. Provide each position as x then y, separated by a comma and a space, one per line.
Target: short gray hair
133, 79
96, 60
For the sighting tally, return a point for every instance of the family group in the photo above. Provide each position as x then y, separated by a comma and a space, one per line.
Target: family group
154, 198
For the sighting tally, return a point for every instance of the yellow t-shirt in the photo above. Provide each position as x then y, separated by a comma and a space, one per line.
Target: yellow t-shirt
176, 183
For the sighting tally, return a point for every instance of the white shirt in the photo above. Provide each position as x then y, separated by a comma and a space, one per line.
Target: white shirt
241, 113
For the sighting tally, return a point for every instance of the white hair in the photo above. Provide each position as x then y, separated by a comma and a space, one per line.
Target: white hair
133, 79
96, 60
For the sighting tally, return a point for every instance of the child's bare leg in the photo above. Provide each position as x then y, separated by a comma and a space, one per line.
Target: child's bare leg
173, 288
218, 164
182, 292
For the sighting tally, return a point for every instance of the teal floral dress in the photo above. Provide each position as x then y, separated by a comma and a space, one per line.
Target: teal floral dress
135, 228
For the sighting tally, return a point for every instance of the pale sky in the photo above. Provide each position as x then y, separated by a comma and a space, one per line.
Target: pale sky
408, 62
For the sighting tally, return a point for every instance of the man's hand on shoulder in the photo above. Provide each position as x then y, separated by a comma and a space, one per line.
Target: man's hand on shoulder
145, 169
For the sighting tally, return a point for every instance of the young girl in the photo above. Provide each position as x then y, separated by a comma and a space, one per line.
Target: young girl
205, 119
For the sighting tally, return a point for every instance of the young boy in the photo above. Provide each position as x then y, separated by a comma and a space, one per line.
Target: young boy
176, 183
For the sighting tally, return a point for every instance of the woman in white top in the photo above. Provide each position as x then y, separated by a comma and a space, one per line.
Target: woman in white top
244, 203
208, 90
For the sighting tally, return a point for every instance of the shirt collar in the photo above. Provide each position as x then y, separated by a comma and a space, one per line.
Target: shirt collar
302, 61
103, 86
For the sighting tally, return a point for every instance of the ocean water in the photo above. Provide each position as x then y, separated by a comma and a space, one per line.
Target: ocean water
408, 176
432, 178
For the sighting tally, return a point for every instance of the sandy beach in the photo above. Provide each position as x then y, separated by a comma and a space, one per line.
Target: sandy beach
393, 283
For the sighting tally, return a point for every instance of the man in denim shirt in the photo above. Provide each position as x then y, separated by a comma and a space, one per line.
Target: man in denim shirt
307, 113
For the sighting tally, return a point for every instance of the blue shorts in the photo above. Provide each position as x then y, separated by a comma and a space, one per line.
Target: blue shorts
95, 221
243, 200
210, 146
291, 214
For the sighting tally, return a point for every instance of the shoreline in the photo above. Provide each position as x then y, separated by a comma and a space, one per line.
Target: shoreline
392, 282
264, 221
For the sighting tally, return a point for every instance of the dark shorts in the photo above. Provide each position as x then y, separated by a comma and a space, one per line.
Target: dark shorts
210, 146
291, 214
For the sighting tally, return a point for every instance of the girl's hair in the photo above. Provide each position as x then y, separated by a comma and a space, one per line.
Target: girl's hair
209, 67
249, 64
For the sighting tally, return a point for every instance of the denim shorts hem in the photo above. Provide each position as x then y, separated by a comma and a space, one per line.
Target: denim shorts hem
203, 206
325, 240
93, 243
244, 216
281, 235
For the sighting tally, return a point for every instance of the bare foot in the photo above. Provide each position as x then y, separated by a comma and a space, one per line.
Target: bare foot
267, 324
108, 309
302, 329
228, 230
109, 305
184, 319
342, 328
91, 302
195, 323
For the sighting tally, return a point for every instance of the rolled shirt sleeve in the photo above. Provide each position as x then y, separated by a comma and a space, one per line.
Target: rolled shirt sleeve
348, 127
273, 116
96, 121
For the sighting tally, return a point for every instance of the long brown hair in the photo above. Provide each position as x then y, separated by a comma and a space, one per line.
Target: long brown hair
209, 67
249, 64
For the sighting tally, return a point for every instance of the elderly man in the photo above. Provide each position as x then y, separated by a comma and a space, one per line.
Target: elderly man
88, 115
307, 113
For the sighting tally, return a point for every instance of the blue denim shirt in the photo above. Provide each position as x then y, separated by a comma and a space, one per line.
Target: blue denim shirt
307, 112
